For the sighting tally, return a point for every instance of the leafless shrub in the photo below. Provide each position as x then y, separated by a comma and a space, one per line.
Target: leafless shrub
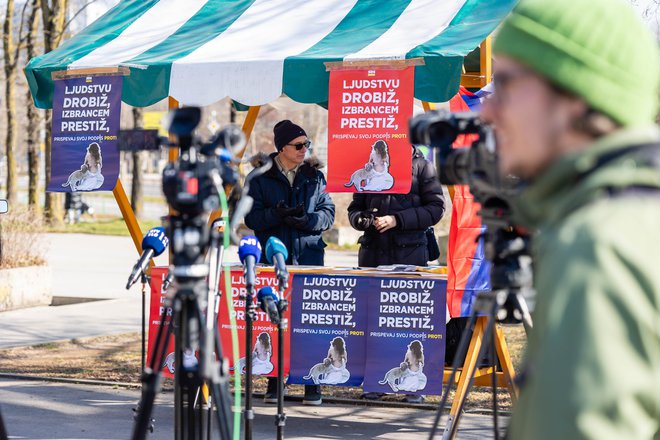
21, 242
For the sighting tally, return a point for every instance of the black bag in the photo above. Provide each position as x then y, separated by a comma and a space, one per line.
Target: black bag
432, 244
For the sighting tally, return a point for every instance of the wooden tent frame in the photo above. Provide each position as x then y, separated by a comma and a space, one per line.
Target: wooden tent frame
482, 376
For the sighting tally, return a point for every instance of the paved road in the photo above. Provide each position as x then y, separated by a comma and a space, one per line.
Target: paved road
100, 272
47, 410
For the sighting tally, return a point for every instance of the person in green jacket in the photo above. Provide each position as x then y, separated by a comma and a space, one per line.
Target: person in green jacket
576, 97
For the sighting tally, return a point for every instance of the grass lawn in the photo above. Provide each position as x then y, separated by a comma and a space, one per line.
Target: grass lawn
103, 226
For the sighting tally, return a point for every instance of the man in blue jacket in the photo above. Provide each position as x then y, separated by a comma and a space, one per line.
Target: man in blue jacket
290, 203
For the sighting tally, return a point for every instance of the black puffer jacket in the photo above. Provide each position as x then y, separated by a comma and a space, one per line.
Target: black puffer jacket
422, 207
305, 245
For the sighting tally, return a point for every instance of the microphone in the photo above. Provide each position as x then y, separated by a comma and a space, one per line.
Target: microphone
268, 301
277, 254
153, 244
249, 252
169, 278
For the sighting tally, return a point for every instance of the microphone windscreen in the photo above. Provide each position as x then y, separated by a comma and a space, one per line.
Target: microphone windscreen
275, 246
156, 240
266, 292
249, 245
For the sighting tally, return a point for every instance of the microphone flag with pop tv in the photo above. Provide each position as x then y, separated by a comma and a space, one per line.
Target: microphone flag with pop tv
153, 244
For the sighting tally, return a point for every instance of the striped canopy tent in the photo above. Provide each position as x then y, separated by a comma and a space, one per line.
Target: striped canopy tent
201, 51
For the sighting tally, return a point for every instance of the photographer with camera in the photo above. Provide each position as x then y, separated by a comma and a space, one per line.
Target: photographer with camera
395, 225
290, 203
576, 95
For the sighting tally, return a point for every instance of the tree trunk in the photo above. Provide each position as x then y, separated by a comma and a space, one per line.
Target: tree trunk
52, 13
54, 208
232, 112
33, 153
10, 100
136, 187
34, 119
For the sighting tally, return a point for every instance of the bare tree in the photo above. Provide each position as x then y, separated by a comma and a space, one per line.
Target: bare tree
33, 116
11, 52
138, 158
53, 14
10, 58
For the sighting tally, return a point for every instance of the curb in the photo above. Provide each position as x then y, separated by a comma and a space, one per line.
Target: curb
333, 400
298, 399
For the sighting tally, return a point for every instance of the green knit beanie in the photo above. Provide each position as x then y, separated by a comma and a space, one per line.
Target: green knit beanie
599, 50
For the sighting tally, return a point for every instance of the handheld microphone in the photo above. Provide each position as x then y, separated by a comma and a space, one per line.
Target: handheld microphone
249, 252
277, 254
153, 244
268, 301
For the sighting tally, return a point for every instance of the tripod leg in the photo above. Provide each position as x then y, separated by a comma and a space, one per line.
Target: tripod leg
151, 383
493, 362
3, 431
460, 352
220, 393
223, 411
486, 335
505, 362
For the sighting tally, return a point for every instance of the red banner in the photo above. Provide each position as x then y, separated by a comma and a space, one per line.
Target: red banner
264, 347
368, 147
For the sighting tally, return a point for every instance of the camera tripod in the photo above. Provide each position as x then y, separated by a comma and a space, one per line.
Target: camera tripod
510, 278
199, 384
3, 431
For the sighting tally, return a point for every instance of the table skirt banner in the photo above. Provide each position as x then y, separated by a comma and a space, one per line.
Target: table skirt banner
386, 332
328, 333
263, 347
264, 334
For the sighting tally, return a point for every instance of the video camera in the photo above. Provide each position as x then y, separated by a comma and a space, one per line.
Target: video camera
505, 246
192, 184
475, 166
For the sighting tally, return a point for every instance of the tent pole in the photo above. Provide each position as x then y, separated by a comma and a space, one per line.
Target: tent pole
248, 126
486, 61
128, 214
172, 153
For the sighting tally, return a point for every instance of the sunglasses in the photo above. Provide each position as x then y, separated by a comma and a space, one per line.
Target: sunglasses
302, 145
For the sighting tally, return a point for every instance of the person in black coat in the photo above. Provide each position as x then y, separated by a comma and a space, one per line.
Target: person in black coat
394, 225
290, 203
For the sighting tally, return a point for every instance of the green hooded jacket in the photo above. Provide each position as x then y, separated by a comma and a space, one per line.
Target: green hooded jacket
593, 359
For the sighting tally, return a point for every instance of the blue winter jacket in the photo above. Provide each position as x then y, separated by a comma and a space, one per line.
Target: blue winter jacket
305, 245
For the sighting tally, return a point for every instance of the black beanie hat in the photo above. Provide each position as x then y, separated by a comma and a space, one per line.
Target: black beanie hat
285, 131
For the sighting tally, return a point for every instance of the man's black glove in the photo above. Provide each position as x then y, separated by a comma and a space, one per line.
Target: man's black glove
296, 222
298, 211
282, 210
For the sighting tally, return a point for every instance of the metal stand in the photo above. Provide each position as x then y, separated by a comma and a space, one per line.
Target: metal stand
250, 315
143, 353
151, 422
3, 431
280, 418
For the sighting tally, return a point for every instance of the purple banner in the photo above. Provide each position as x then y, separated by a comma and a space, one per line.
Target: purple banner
328, 327
406, 345
85, 155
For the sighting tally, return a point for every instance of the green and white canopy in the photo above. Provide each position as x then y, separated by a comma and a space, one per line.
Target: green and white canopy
200, 51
